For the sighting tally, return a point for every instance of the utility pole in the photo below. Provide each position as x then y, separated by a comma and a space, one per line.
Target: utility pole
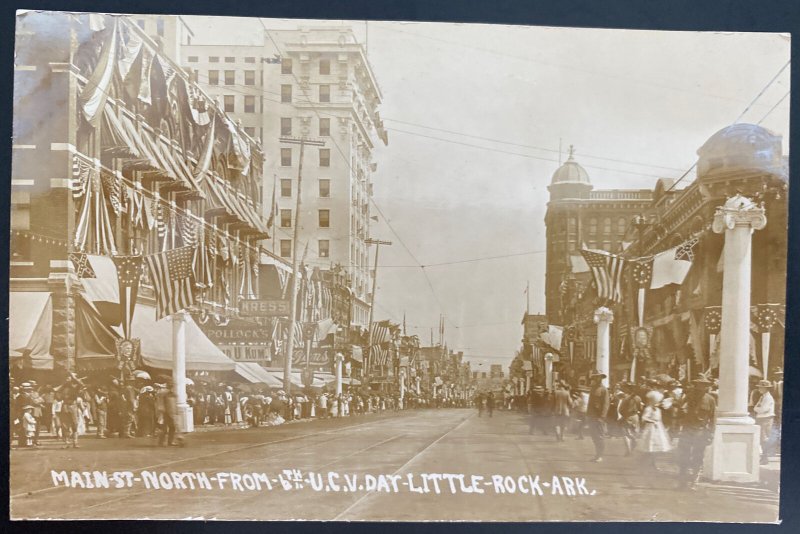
287, 366
377, 243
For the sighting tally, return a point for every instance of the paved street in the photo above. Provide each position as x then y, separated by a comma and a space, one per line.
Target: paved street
451, 441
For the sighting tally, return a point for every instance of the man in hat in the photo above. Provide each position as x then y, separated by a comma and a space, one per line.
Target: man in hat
596, 413
764, 411
630, 410
561, 409
697, 416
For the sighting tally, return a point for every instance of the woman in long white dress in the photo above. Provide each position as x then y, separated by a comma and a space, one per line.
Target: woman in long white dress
654, 436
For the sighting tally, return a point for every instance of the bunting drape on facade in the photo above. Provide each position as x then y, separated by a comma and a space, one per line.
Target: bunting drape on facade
94, 231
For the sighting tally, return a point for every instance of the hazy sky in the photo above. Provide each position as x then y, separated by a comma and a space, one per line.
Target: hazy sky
476, 114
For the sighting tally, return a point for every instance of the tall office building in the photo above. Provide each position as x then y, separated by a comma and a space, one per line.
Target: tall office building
317, 84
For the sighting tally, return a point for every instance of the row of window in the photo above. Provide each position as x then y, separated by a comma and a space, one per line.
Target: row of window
229, 77
323, 218
324, 126
323, 248
324, 188
215, 59
324, 66
324, 157
229, 103
324, 93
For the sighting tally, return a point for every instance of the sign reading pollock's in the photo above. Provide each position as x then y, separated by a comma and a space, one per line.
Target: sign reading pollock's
264, 308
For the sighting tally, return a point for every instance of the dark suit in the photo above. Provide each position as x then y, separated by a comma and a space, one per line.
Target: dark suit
596, 412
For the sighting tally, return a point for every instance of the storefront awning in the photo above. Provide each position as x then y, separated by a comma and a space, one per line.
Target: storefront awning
297, 379
255, 374
156, 336
30, 328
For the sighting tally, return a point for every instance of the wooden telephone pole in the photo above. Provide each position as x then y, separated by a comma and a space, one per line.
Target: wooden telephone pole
287, 367
377, 243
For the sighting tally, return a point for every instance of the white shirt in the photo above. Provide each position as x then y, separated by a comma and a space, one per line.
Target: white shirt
765, 406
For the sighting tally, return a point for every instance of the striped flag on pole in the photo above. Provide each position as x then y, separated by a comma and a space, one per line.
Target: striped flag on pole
171, 273
379, 332
129, 272
607, 272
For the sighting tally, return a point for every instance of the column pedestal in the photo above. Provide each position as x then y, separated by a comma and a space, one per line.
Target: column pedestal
185, 421
734, 454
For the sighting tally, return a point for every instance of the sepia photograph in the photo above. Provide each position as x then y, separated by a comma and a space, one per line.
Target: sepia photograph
343, 270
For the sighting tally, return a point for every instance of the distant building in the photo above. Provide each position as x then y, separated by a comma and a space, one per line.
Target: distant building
577, 216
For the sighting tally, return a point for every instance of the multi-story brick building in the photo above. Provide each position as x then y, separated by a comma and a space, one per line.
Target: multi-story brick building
117, 152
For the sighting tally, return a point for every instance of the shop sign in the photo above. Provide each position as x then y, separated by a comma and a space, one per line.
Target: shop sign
264, 308
320, 356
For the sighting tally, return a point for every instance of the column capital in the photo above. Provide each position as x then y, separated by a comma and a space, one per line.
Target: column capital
739, 211
603, 314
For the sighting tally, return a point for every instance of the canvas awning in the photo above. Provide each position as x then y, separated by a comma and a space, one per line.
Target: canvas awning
297, 379
30, 327
156, 336
255, 374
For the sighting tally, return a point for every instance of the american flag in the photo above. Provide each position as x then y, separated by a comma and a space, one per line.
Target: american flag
129, 272
607, 271
172, 276
379, 332
378, 355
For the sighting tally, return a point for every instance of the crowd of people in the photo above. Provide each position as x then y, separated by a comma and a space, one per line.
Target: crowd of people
142, 407
653, 416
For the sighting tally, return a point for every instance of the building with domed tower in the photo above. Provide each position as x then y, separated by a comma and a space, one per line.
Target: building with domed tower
741, 159
579, 215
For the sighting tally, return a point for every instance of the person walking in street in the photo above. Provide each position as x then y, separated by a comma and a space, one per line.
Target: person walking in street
580, 405
561, 409
490, 403
765, 414
101, 408
536, 419
654, 436
630, 411
596, 413
697, 431
29, 425
480, 400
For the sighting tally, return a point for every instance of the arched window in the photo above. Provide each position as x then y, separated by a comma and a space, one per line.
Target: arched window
607, 225
621, 225
592, 226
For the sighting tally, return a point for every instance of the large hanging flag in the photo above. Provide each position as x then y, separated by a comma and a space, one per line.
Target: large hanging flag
672, 266
129, 272
607, 271
93, 96
171, 273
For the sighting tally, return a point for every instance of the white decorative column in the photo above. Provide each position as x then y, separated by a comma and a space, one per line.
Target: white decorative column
338, 359
418, 380
603, 317
185, 421
548, 371
735, 451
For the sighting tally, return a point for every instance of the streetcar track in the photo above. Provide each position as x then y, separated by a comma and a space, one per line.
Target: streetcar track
218, 453
337, 460
129, 496
409, 462
531, 472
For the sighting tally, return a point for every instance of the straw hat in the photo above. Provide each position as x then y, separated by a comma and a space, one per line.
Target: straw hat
764, 384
